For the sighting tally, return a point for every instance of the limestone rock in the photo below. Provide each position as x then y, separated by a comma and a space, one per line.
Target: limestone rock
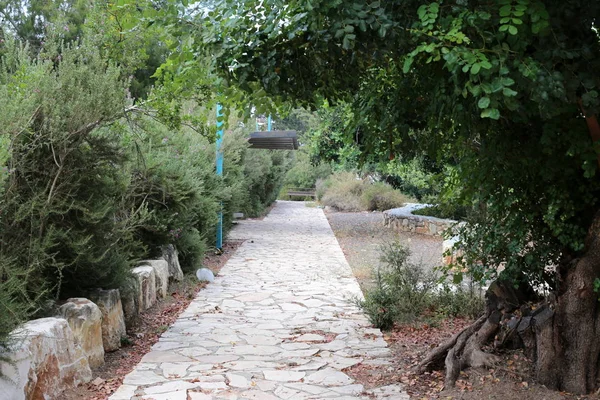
172, 257
205, 274
113, 319
46, 360
85, 321
146, 286
130, 306
161, 273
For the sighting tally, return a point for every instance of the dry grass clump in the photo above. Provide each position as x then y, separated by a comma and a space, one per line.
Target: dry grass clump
345, 192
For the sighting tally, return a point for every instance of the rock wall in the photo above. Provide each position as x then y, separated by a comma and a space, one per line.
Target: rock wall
44, 361
146, 286
161, 275
85, 321
113, 319
50, 355
172, 257
402, 220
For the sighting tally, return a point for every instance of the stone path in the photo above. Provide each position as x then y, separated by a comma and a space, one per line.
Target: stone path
279, 322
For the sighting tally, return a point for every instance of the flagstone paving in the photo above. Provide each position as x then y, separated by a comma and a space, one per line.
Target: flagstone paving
279, 322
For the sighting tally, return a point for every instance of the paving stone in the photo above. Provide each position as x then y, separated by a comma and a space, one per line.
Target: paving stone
237, 381
166, 396
349, 389
164, 356
143, 377
310, 337
328, 377
258, 317
171, 387
199, 396
283, 376
258, 395
174, 370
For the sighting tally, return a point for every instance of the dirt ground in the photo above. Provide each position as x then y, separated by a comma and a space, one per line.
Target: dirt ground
360, 235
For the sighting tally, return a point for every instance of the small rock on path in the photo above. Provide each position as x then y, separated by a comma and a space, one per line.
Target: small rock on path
279, 322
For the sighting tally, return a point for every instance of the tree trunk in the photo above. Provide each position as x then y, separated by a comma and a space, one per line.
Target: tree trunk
563, 334
568, 346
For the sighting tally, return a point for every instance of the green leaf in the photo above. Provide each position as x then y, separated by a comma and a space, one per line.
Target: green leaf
484, 102
512, 30
509, 92
475, 68
505, 11
407, 63
492, 113
457, 278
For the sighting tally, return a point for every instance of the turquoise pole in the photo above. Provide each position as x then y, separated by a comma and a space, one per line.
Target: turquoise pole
220, 172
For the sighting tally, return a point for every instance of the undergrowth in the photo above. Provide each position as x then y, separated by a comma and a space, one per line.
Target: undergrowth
406, 293
344, 192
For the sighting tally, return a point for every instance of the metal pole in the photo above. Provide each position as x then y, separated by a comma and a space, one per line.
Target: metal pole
220, 172
269, 123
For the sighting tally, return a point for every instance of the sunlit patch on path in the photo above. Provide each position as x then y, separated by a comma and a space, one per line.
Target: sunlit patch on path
279, 322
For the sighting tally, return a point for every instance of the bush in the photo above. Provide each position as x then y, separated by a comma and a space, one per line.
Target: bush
345, 192
85, 194
444, 211
304, 174
65, 224
412, 178
406, 294
381, 196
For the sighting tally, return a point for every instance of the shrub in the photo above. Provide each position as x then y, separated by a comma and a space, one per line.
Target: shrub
444, 211
412, 178
321, 187
406, 293
345, 192
64, 225
84, 194
304, 174
380, 196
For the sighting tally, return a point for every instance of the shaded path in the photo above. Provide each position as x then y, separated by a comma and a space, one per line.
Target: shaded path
278, 323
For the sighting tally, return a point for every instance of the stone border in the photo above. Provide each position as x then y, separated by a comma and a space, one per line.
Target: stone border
403, 220
51, 355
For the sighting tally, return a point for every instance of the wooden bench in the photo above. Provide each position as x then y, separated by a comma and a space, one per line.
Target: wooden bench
302, 192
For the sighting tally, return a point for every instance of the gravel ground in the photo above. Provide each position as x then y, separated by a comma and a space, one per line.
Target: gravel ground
361, 234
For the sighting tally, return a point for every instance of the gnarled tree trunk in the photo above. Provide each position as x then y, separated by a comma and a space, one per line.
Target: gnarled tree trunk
562, 333
568, 344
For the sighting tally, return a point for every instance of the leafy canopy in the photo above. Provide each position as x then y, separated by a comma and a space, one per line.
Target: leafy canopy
501, 87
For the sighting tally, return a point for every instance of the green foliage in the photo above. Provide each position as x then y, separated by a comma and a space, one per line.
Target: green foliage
412, 178
381, 196
444, 211
407, 294
346, 192
303, 174
65, 225
91, 184
497, 89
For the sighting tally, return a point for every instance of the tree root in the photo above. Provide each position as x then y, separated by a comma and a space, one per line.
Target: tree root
463, 350
436, 357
